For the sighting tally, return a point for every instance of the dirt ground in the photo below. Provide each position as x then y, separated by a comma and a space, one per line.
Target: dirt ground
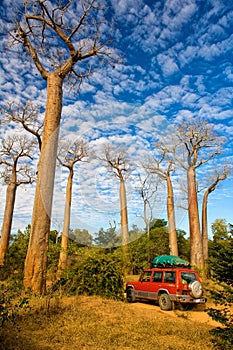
197, 314
151, 310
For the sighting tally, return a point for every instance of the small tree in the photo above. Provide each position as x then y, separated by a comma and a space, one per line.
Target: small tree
69, 154
163, 166
107, 238
15, 153
117, 163
82, 237
147, 192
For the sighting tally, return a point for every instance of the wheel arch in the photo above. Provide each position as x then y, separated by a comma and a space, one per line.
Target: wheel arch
162, 291
130, 286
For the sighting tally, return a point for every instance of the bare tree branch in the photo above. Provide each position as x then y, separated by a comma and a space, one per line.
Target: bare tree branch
12, 150
27, 115
69, 152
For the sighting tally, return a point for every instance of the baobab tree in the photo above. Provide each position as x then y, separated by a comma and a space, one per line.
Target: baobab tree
15, 155
147, 190
56, 38
117, 162
197, 144
163, 166
220, 175
69, 154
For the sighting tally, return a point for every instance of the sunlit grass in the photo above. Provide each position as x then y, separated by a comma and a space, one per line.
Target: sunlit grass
95, 323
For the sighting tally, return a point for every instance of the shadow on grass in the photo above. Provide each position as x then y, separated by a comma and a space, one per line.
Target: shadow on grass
13, 341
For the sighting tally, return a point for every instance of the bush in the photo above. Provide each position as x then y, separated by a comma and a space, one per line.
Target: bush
99, 274
14, 265
220, 265
10, 305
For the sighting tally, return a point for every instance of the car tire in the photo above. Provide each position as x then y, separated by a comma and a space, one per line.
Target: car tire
196, 289
165, 302
130, 295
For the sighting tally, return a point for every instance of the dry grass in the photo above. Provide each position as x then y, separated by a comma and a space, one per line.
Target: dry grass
92, 323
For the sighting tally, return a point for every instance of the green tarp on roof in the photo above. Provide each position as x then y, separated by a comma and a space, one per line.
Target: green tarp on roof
169, 260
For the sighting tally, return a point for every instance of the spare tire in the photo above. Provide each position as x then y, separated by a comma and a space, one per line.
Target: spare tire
196, 289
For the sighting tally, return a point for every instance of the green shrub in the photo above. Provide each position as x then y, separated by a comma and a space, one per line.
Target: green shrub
10, 305
98, 274
14, 265
220, 265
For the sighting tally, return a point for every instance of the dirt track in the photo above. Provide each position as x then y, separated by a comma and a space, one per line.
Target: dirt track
197, 314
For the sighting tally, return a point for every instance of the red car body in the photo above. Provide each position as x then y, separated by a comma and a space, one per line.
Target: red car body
168, 286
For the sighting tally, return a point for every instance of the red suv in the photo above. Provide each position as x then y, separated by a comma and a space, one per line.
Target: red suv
168, 286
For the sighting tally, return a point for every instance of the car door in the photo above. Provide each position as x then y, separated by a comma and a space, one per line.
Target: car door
143, 290
156, 284
170, 282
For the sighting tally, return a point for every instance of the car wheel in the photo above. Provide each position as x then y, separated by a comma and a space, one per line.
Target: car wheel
130, 295
196, 289
165, 302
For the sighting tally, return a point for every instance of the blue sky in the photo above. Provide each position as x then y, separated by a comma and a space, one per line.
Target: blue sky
177, 65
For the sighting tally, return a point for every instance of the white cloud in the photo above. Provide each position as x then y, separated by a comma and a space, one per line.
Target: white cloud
167, 64
177, 66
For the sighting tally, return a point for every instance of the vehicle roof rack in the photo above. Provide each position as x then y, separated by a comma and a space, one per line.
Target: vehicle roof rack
171, 261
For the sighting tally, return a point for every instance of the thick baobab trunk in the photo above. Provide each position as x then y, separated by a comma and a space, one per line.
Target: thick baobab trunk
124, 222
7, 220
204, 227
36, 259
62, 265
196, 255
171, 219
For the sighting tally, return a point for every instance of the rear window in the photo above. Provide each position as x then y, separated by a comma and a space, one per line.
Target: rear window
188, 277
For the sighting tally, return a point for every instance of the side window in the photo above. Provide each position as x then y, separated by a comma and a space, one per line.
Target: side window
145, 276
170, 277
157, 276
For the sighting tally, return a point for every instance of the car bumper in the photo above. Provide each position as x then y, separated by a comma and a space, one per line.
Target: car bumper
187, 299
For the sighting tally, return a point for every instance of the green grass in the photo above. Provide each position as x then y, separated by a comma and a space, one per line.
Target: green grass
92, 323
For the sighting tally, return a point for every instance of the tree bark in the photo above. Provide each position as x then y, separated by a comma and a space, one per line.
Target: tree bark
7, 220
210, 189
196, 254
63, 258
36, 259
171, 219
204, 227
124, 220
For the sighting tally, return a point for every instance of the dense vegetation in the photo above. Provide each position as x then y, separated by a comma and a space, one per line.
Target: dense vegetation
95, 270
221, 267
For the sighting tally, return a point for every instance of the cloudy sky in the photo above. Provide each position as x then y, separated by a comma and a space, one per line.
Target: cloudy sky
176, 65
